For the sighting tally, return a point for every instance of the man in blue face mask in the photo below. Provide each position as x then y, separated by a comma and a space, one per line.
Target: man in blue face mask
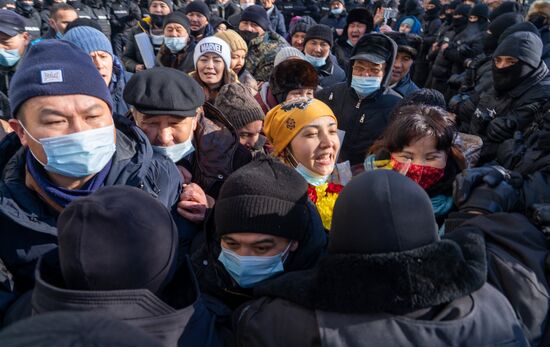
166, 106
14, 41
64, 147
264, 226
318, 43
336, 18
364, 102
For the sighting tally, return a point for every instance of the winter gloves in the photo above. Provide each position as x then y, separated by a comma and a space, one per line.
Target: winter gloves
487, 189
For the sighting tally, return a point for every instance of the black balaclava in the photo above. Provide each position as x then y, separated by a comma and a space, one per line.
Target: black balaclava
248, 36
77, 4
538, 20
25, 9
496, 28
524, 46
443, 15
434, 12
452, 6
509, 77
157, 20
460, 24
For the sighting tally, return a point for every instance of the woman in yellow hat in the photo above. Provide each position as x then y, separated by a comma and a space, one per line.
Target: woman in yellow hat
304, 134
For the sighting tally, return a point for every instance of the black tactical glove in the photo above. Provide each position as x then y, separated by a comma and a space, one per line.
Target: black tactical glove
500, 129
469, 179
486, 199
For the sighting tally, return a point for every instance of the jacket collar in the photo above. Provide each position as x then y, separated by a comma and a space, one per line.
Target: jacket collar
393, 282
139, 307
538, 75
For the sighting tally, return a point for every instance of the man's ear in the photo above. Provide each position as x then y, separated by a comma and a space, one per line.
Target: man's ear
18, 129
294, 246
138, 117
26, 37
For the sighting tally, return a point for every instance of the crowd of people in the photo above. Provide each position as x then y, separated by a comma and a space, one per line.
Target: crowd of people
228, 173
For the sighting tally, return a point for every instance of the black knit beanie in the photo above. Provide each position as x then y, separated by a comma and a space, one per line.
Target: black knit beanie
480, 10
237, 103
198, 6
258, 15
118, 238
321, 32
178, 18
264, 197
505, 7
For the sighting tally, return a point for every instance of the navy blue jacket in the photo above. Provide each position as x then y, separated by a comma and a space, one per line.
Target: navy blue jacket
335, 22
277, 21
331, 73
28, 225
406, 86
116, 87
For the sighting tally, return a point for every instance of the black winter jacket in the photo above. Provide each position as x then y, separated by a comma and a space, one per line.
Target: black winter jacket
353, 300
177, 317
364, 119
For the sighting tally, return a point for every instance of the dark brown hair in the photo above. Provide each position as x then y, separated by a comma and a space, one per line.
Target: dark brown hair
412, 122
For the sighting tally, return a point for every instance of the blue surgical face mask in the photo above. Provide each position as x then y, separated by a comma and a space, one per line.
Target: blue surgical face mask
157, 40
9, 57
248, 271
177, 151
337, 11
316, 62
175, 44
79, 154
364, 86
311, 177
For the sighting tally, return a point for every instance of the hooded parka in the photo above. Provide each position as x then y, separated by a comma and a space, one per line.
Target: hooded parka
363, 119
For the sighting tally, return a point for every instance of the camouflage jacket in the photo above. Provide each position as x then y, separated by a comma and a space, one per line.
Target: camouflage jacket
261, 54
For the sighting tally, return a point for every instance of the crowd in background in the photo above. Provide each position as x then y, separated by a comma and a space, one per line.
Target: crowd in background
280, 173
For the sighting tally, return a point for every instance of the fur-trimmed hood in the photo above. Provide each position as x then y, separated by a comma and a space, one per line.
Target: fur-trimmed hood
542, 6
398, 282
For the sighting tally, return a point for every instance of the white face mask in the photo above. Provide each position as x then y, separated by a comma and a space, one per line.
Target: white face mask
157, 40
177, 151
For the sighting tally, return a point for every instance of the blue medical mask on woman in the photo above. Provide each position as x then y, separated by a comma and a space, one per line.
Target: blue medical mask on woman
177, 151
9, 57
79, 154
337, 11
248, 271
175, 44
311, 177
316, 62
364, 86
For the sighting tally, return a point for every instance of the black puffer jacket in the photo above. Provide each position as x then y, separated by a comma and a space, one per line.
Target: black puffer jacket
363, 119
515, 108
376, 285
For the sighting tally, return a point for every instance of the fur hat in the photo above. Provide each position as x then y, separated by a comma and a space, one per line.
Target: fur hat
541, 6
292, 74
407, 43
